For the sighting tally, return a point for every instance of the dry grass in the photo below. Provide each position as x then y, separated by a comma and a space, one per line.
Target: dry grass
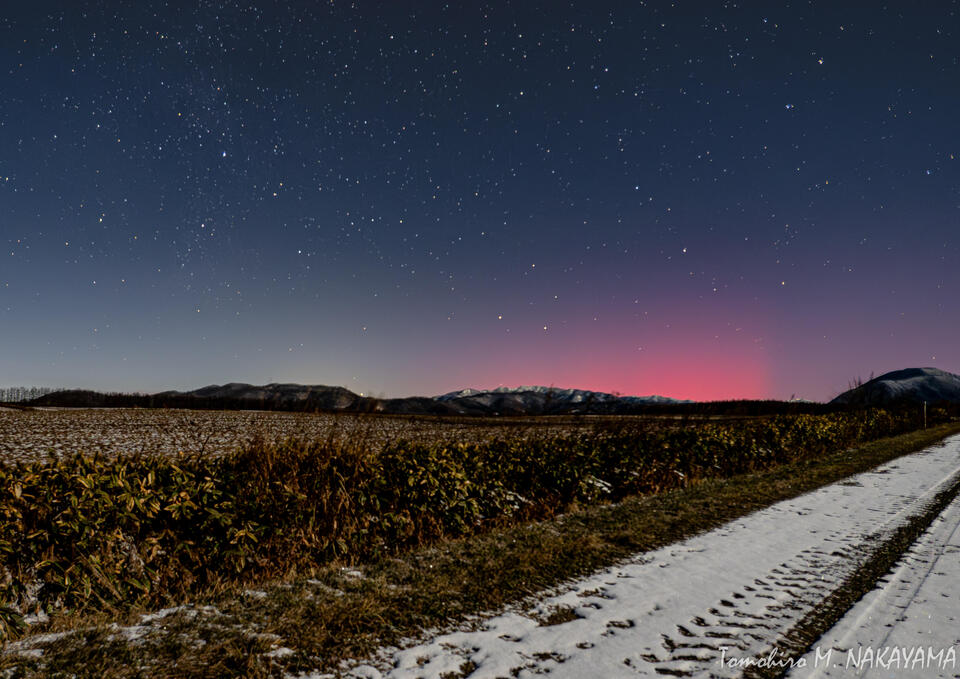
332, 614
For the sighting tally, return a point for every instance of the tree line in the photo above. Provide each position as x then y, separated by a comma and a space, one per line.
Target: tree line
16, 394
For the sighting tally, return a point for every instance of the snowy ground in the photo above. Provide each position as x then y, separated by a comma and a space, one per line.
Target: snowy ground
907, 626
32, 435
728, 594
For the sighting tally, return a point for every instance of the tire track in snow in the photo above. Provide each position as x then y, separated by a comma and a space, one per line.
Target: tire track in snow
816, 589
914, 606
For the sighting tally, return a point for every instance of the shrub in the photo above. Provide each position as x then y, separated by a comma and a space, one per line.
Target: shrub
87, 532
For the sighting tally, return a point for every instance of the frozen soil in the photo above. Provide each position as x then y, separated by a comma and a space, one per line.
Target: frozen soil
34, 434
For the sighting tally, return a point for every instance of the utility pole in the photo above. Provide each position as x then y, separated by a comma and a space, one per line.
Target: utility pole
924, 414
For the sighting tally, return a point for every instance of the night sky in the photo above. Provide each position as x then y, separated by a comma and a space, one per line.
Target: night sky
700, 200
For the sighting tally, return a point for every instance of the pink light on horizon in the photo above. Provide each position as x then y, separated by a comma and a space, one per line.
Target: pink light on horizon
681, 375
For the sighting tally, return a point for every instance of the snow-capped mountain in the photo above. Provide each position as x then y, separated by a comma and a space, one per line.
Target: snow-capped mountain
913, 384
538, 399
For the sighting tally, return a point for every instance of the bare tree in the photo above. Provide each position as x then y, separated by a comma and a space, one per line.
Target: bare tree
18, 394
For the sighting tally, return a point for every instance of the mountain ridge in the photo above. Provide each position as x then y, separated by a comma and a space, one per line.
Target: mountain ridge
524, 400
557, 392
931, 385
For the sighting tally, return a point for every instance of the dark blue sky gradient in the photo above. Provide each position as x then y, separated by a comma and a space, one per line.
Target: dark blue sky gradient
702, 200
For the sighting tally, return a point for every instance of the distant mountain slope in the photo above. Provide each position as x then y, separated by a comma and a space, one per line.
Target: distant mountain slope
275, 395
501, 401
913, 384
546, 400
300, 397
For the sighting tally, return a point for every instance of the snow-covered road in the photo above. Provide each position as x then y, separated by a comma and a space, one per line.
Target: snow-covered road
910, 625
728, 594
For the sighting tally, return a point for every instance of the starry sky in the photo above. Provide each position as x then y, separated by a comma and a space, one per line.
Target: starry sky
695, 199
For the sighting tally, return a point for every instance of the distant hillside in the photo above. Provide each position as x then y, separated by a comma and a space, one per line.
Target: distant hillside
501, 401
300, 397
276, 396
467, 402
911, 385
239, 396
547, 400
